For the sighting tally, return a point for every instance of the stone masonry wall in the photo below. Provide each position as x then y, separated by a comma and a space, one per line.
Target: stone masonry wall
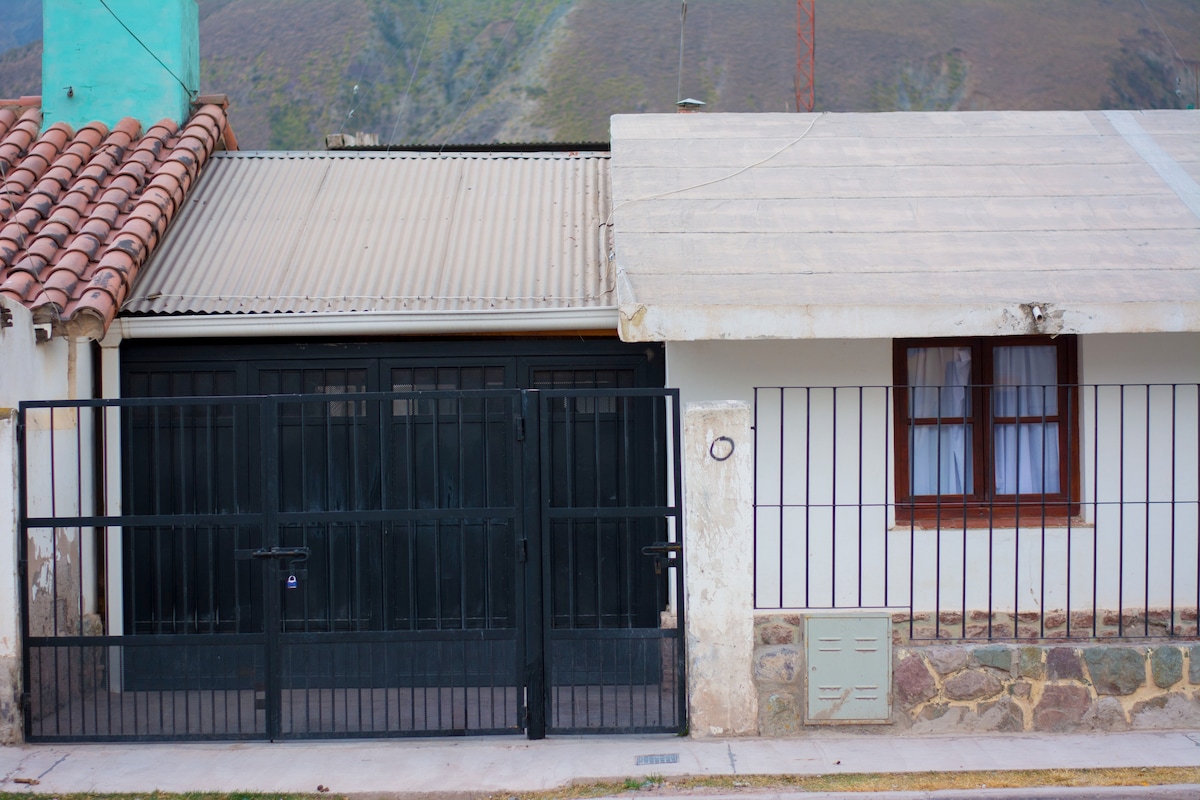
1051, 686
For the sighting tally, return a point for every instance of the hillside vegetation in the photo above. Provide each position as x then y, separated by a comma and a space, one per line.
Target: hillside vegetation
463, 71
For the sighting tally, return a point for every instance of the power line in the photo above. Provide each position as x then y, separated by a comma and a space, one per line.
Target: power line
483, 73
413, 75
191, 92
1182, 60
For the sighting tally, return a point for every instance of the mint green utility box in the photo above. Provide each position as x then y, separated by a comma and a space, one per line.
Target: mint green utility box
849, 668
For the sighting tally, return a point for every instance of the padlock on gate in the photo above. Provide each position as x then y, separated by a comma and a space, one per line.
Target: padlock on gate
291, 581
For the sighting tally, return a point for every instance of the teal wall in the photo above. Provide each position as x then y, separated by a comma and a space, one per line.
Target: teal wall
111, 75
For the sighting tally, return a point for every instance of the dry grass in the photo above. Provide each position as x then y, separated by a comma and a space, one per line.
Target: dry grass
868, 782
653, 784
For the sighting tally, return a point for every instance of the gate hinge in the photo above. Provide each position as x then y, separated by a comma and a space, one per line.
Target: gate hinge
519, 428
26, 700
522, 550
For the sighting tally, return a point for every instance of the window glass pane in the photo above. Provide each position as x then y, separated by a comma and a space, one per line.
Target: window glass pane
1025, 379
1027, 459
939, 377
940, 459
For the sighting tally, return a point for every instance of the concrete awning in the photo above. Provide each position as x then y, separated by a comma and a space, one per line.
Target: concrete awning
748, 226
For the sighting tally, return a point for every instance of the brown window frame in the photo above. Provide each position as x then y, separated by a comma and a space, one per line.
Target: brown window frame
983, 507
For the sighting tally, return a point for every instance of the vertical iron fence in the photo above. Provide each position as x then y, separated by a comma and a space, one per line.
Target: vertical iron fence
1110, 549
370, 564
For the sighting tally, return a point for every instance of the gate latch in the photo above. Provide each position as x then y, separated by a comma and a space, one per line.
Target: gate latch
281, 553
293, 555
666, 554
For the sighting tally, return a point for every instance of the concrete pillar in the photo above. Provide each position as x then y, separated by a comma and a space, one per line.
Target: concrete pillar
719, 569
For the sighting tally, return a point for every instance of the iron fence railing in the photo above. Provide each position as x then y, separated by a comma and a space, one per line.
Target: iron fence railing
1110, 549
370, 564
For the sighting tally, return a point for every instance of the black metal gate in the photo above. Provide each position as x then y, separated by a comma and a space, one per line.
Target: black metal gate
371, 564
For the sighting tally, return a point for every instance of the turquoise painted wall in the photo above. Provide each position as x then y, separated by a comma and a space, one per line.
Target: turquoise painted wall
110, 75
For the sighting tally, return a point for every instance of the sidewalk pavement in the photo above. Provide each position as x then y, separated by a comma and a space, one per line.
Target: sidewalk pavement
502, 765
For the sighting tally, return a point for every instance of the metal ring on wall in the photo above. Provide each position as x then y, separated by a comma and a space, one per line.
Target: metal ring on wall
712, 448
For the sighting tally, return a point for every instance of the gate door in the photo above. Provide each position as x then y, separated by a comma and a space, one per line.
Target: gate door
351, 563
610, 519
396, 578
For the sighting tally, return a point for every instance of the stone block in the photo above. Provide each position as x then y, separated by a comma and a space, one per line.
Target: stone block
1194, 664
1061, 708
1002, 715
1106, 714
780, 664
1030, 663
779, 715
1022, 690
1115, 670
1054, 619
1063, 664
777, 633
933, 711
972, 685
912, 681
1166, 666
994, 656
1165, 712
946, 660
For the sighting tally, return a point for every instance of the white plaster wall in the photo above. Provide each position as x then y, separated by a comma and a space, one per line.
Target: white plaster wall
52, 370
824, 537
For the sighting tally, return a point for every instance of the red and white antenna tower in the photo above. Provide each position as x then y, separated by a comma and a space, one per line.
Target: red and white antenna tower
806, 31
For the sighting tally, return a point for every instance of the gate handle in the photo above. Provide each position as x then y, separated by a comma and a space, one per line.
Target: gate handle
282, 553
662, 552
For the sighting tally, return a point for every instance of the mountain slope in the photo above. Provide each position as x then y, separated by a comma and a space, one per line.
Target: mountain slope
457, 71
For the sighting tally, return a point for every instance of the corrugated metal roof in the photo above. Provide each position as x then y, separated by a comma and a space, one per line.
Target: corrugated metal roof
365, 231
741, 226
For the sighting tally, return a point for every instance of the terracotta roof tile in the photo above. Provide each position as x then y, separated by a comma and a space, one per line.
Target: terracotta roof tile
80, 212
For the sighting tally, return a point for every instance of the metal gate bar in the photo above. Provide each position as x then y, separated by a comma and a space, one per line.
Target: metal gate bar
198, 635
611, 512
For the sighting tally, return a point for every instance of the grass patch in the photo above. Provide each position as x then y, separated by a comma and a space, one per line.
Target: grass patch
876, 782
655, 783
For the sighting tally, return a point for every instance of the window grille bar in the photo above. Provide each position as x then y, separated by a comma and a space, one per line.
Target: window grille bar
1012, 566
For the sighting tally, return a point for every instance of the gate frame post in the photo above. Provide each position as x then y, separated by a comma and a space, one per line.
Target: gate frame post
20, 547
529, 440
272, 614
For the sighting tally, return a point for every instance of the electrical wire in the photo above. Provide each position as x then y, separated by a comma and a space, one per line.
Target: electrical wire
1182, 60
191, 92
413, 76
734, 174
483, 73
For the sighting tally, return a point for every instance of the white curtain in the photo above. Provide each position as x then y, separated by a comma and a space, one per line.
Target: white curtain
1024, 382
940, 455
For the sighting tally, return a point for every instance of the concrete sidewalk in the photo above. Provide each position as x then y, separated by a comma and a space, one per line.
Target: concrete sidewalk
499, 765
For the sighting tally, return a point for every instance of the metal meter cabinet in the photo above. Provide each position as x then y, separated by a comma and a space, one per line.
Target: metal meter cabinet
849, 668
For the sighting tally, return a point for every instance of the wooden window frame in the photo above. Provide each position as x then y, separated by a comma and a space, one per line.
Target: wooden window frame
983, 507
